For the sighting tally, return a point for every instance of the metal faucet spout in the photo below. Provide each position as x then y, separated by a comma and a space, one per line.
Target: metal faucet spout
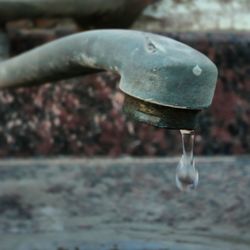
166, 82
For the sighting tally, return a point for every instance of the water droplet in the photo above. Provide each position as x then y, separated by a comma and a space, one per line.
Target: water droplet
187, 176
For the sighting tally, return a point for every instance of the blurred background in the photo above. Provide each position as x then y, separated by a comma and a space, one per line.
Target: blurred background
83, 117
62, 189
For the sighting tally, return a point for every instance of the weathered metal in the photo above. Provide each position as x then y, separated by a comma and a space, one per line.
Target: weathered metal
160, 116
154, 69
98, 13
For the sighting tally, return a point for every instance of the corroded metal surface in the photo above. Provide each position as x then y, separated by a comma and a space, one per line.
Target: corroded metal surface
108, 13
160, 116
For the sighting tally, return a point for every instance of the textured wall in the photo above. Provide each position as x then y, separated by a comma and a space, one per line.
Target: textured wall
196, 15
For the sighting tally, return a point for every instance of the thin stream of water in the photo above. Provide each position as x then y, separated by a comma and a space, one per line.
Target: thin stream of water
187, 176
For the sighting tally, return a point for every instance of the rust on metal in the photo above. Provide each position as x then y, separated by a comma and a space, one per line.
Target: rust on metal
160, 116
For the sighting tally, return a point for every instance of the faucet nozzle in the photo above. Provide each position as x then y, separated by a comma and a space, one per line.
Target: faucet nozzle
158, 115
166, 82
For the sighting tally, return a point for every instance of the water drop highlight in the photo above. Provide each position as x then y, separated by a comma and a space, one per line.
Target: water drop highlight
187, 176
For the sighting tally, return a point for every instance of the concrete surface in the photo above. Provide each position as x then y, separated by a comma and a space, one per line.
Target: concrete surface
128, 203
196, 15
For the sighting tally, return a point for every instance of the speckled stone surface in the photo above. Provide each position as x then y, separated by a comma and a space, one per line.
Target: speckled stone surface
83, 117
123, 204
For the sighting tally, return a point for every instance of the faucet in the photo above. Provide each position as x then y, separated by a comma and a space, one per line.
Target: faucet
166, 83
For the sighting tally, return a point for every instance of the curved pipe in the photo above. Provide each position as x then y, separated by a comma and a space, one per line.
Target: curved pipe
108, 13
154, 69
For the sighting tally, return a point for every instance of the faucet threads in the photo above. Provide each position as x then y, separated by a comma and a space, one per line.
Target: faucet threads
158, 115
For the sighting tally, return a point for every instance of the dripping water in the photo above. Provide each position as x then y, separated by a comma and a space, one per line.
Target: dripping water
186, 175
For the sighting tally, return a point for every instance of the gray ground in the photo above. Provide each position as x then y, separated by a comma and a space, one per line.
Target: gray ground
125, 204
